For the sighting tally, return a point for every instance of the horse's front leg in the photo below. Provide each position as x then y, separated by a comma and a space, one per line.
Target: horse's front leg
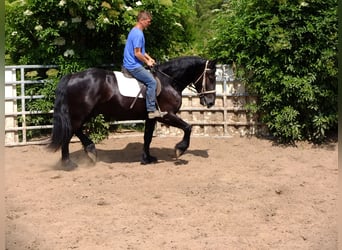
88, 145
148, 133
173, 120
184, 144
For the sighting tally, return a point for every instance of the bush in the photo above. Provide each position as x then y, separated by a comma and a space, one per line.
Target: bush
286, 52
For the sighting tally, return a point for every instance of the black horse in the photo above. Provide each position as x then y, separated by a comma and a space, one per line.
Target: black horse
83, 95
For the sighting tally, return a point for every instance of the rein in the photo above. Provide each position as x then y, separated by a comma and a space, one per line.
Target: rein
192, 86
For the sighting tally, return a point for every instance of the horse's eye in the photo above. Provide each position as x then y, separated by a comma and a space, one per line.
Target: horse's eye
211, 77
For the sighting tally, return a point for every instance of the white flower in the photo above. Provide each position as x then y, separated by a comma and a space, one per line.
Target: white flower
105, 20
62, 23
69, 52
62, 3
90, 24
128, 8
60, 41
139, 3
38, 27
14, 33
178, 24
304, 4
77, 19
28, 13
90, 7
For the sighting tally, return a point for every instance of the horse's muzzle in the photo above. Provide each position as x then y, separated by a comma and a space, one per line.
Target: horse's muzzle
208, 100
209, 105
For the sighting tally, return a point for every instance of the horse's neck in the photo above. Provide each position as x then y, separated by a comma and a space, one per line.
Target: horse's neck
183, 80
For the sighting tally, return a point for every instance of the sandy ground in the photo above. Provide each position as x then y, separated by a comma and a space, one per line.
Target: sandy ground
224, 193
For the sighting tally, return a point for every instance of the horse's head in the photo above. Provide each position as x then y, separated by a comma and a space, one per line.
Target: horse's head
206, 83
194, 72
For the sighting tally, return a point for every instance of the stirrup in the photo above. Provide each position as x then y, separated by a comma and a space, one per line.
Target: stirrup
156, 114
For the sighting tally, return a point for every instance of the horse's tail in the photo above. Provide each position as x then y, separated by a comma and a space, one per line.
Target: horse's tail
62, 129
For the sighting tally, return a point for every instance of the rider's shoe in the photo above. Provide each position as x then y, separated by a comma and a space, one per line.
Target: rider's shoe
156, 114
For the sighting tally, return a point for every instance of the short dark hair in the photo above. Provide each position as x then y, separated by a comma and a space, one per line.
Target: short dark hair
144, 14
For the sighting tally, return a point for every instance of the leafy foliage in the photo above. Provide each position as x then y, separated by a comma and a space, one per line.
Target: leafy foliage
206, 11
91, 32
286, 51
97, 128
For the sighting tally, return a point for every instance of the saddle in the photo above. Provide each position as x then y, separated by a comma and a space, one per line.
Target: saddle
142, 87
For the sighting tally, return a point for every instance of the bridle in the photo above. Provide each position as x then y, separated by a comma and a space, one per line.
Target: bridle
192, 86
204, 90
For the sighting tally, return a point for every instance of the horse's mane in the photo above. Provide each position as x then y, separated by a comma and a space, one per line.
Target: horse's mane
182, 62
181, 69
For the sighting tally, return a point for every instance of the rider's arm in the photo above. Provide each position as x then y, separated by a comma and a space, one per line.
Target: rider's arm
145, 58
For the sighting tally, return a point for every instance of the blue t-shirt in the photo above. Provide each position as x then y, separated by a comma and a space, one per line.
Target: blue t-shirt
135, 39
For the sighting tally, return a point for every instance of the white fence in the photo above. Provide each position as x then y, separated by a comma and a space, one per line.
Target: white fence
227, 118
16, 127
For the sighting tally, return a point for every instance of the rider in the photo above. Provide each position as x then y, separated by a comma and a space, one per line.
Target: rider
134, 59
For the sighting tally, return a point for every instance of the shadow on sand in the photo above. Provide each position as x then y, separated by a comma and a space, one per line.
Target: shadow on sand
132, 153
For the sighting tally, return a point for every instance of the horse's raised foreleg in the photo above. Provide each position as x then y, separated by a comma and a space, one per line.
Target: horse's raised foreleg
184, 144
88, 145
148, 133
175, 121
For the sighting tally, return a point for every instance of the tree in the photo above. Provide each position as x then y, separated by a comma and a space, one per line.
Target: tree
286, 52
206, 11
90, 32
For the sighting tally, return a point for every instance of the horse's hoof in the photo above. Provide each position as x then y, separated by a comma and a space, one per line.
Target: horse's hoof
178, 152
91, 152
68, 165
148, 160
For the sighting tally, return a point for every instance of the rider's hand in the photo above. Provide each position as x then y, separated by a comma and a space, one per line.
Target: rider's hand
151, 62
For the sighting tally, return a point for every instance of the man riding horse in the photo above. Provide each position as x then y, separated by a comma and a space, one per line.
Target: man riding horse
134, 59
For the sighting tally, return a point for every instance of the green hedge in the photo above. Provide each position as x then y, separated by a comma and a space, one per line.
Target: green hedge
286, 52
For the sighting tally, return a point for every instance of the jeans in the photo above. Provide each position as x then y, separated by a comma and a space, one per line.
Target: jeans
147, 78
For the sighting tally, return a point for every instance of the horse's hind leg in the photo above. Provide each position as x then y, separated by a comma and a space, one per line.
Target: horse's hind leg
88, 145
149, 128
66, 162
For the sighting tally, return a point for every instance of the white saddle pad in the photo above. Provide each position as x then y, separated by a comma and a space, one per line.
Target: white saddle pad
127, 86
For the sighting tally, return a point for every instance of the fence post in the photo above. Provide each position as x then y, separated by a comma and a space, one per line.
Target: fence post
10, 106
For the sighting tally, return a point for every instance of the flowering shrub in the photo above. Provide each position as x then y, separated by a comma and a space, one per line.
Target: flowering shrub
91, 32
